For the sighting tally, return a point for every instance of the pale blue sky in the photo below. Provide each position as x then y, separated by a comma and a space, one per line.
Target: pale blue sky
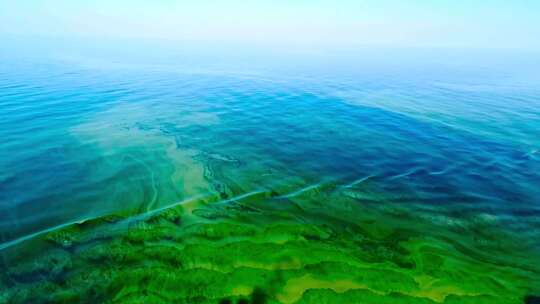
423, 23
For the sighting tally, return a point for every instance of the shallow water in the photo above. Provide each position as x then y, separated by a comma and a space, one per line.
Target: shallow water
198, 177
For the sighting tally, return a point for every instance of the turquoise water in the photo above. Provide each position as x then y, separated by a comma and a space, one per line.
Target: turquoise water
447, 136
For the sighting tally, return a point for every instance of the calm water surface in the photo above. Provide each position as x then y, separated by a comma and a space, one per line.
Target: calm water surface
448, 136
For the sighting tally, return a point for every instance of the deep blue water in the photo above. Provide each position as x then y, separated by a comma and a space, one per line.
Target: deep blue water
87, 131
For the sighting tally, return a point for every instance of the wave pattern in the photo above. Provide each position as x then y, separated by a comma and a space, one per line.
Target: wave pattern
401, 187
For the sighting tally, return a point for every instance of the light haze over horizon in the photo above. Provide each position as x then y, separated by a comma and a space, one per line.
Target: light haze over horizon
342, 23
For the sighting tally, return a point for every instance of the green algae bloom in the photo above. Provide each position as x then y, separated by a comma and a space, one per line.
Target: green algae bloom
157, 184
270, 248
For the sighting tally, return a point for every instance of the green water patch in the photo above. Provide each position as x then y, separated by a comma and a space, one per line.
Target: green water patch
125, 137
184, 216
270, 247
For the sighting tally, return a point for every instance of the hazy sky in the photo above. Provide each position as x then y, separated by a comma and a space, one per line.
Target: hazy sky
424, 23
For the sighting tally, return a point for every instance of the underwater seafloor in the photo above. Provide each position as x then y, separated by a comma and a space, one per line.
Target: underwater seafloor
126, 183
